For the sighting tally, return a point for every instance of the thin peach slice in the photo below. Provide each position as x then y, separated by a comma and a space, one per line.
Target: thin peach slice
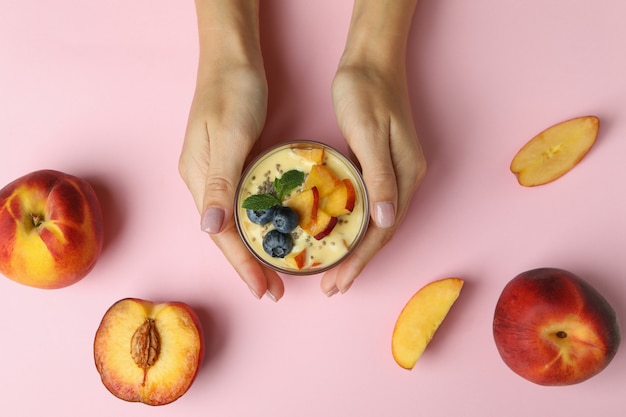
420, 319
555, 151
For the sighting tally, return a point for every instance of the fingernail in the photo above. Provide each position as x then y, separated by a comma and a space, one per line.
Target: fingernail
270, 296
212, 220
384, 215
347, 288
254, 293
332, 291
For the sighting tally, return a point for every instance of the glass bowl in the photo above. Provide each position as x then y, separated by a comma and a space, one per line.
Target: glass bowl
322, 187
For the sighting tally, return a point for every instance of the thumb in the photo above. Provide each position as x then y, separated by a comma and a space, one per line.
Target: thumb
380, 179
226, 161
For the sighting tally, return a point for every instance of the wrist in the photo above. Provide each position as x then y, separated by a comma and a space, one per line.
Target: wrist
228, 34
378, 33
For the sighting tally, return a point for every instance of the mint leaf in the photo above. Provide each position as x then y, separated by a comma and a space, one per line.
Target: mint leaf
290, 180
283, 186
260, 202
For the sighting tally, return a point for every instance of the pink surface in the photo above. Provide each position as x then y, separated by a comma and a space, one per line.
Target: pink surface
102, 90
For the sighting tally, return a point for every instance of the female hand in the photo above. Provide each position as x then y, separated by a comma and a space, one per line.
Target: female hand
226, 118
373, 110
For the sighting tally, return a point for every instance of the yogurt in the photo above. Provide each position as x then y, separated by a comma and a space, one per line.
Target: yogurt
309, 255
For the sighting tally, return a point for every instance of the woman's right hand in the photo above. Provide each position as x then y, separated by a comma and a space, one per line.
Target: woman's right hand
226, 118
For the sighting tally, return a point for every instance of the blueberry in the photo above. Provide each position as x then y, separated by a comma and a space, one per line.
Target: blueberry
261, 216
285, 219
277, 244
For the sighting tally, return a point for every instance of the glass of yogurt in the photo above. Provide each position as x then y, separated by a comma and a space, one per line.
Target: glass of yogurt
301, 207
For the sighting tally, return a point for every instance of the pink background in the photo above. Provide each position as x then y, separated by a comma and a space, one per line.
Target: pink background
102, 90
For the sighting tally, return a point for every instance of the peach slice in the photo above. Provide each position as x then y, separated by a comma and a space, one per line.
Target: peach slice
323, 178
147, 352
324, 224
297, 260
341, 200
420, 319
555, 151
314, 154
323, 198
305, 204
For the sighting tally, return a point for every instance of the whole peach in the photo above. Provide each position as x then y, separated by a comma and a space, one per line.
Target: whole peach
51, 229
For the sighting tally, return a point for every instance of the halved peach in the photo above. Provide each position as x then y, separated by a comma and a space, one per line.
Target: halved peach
341, 200
555, 151
148, 352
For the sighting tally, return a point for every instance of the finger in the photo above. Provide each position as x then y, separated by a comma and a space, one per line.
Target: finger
259, 279
341, 278
328, 283
374, 155
275, 285
409, 164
